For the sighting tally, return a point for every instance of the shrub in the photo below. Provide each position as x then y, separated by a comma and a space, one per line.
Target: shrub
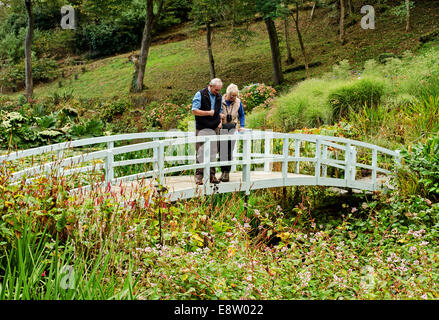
167, 115
12, 46
56, 43
355, 95
341, 71
43, 70
423, 160
110, 110
187, 124
256, 95
85, 129
106, 39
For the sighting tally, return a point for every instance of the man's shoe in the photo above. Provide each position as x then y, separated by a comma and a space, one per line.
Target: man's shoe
214, 180
224, 177
199, 180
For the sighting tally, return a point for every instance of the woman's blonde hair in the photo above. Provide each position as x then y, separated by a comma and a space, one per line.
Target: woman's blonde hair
232, 88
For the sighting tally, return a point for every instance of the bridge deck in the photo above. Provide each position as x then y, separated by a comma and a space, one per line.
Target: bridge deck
184, 187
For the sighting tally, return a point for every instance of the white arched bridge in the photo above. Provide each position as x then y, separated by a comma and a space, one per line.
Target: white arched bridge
123, 164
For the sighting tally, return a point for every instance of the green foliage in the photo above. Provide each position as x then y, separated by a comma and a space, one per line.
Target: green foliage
207, 11
113, 108
304, 106
423, 160
257, 119
43, 70
400, 11
257, 95
269, 8
31, 127
87, 129
106, 39
354, 95
38, 268
56, 43
168, 115
12, 46
342, 70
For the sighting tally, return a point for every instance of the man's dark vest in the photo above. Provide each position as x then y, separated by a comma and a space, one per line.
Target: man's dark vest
208, 122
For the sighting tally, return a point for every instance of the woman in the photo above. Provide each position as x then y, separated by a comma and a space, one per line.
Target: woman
233, 118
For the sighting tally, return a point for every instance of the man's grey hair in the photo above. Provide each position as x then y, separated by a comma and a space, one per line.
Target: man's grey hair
216, 82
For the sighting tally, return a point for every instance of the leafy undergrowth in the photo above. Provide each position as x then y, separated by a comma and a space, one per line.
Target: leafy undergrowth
306, 243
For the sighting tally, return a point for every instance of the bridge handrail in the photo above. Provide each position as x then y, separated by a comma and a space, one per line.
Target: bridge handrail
178, 134
175, 138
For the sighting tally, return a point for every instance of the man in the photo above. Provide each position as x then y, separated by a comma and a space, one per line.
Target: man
207, 107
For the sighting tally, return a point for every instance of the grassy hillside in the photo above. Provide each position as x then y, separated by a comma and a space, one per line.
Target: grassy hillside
175, 70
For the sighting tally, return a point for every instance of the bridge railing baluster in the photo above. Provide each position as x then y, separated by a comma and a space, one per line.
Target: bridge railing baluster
268, 166
347, 173
318, 156
206, 161
160, 161
325, 157
109, 163
285, 153
398, 157
297, 154
246, 178
374, 167
354, 163
155, 156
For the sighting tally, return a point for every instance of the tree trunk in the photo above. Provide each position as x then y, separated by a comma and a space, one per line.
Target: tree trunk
302, 45
27, 49
146, 42
275, 51
407, 6
290, 58
350, 6
342, 12
209, 50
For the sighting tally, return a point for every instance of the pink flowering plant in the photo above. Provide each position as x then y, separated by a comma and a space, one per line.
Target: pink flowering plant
257, 95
